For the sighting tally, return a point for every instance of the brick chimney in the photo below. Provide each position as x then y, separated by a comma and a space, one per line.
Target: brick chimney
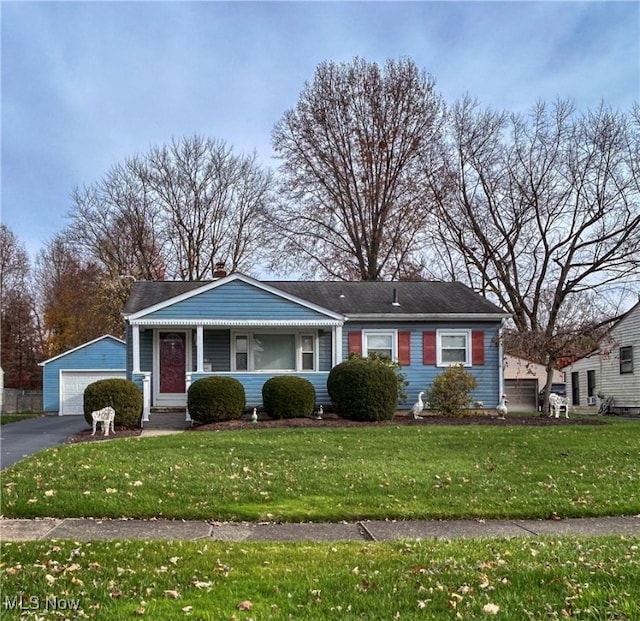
219, 270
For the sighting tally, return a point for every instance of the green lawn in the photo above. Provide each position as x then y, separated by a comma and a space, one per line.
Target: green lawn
549, 578
332, 474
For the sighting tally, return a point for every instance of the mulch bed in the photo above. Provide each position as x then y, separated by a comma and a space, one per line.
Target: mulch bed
330, 420
121, 432
399, 419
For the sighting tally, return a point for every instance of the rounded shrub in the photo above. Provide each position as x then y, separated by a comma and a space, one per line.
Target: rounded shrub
364, 389
288, 396
214, 399
450, 392
122, 395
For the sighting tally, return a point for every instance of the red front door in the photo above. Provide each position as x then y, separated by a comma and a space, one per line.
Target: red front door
173, 359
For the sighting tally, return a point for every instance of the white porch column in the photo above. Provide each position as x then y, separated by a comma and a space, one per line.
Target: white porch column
501, 360
187, 385
146, 397
136, 348
337, 345
200, 349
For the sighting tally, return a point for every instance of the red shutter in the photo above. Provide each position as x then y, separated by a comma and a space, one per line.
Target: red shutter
477, 347
355, 342
404, 348
429, 347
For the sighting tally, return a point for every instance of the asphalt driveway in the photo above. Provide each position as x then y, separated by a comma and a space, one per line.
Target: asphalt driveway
26, 437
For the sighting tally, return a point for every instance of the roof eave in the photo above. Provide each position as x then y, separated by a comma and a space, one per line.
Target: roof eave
235, 323
426, 316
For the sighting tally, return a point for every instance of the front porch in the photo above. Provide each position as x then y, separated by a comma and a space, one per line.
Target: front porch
167, 359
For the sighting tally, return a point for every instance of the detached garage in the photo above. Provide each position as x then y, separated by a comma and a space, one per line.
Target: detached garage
522, 381
67, 375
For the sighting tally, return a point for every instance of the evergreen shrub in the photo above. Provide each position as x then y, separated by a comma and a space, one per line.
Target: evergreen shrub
364, 389
288, 396
122, 395
215, 399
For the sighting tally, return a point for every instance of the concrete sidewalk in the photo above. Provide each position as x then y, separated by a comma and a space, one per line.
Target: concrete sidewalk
96, 530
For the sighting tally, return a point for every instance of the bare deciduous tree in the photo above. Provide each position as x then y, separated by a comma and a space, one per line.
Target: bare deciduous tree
354, 152
117, 223
542, 213
175, 212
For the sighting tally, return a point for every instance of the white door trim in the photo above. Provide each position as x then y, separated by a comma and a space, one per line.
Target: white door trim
169, 399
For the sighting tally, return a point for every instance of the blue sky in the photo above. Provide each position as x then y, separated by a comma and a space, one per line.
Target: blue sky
87, 84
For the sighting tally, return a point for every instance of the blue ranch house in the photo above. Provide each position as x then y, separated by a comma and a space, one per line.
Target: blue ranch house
235, 325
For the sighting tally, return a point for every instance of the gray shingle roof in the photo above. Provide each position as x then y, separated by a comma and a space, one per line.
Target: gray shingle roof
347, 298
369, 298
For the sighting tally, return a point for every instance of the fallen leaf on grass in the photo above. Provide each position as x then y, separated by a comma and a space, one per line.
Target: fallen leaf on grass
172, 594
245, 605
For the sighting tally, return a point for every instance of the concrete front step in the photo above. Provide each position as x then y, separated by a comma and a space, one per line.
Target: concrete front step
166, 420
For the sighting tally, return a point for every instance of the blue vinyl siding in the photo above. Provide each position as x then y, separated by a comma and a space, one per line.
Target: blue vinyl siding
324, 351
106, 354
253, 383
420, 376
236, 300
217, 349
146, 351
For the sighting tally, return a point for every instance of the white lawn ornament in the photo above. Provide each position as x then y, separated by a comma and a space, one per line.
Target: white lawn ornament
106, 417
557, 404
501, 408
254, 415
418, 406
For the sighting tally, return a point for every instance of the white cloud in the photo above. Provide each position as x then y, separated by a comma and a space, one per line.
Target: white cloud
86, 84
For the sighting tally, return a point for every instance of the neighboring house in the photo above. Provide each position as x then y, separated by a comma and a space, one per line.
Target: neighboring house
179, 332
523, 380
64, 377
613, 370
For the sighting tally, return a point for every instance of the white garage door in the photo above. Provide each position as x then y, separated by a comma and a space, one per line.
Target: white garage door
522, 394
72, 385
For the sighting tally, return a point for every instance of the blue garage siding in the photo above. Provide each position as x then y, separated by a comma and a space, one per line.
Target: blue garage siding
104, 354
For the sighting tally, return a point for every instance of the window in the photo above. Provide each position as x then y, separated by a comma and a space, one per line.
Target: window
454, 348
626, 359
591, 383
242, 360
307, 363
378, 342
276, 351
575, 388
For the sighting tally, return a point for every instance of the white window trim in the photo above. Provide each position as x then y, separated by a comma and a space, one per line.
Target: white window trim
298, 351
627, 361
394, 341
468, 346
